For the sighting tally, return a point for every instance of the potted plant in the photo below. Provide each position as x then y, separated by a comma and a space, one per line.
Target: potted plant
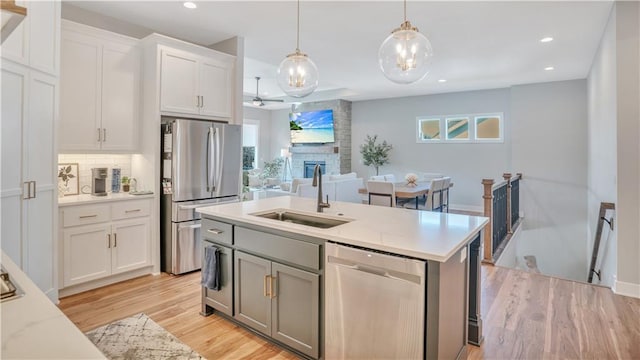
125, 183
374, 154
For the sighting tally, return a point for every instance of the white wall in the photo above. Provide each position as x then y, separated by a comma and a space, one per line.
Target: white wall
602, 152
549, 137
394, 120
628, 147
280, 134
263, 117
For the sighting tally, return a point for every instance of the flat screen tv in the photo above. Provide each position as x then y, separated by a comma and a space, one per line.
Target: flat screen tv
311, 127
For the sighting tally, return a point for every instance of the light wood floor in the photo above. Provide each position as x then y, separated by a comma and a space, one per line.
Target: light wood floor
526, 316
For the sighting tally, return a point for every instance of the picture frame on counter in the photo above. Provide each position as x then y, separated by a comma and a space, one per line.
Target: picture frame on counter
68, 179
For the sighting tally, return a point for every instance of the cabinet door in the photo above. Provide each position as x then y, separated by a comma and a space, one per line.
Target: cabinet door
179, 83
252, 304
221, 300
14, 83
296, 308
216, 88
44, 32
80, 86
40, 167
87, 253
120, 96
15, 47
130, 245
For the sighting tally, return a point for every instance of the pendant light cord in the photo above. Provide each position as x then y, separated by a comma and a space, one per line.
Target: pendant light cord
405, 10
298, 29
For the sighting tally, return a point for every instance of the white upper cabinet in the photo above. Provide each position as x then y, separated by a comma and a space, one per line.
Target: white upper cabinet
35, 41
100, 90
194, 84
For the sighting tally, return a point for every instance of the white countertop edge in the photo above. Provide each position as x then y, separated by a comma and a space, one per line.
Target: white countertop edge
327, 235
90, 199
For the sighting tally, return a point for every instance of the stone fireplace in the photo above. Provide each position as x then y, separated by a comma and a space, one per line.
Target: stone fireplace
336, 156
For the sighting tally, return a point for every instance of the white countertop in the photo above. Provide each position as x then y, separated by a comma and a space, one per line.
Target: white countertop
90, 199
420, 234
34, 328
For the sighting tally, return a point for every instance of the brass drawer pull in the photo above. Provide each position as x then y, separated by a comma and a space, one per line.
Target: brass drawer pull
88, 216
215, 231
272, 285
130, 211
266, 294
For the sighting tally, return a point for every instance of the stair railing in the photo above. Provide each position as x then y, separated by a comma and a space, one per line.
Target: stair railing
502, 207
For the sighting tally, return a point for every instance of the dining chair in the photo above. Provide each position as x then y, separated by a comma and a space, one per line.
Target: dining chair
381, 193
434, 197
445, 193
377, 178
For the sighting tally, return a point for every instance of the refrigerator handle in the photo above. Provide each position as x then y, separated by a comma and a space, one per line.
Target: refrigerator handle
218, 165
210, 160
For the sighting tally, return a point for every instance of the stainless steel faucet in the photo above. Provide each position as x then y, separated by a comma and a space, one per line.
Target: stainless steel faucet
317, 181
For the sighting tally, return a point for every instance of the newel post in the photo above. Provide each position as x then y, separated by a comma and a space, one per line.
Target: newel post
507, 177
488, 212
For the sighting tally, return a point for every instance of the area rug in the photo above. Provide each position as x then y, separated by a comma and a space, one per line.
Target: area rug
139, 337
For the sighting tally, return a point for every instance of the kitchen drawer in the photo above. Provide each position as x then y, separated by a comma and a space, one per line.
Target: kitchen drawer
130, 209
84, 215
217, 231
279, 247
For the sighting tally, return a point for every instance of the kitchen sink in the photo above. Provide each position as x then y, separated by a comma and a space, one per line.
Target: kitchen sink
299, 218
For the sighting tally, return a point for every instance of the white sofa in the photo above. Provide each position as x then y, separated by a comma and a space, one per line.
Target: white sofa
338, 187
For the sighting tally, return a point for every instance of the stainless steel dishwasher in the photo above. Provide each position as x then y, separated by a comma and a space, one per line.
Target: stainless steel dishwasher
374, 305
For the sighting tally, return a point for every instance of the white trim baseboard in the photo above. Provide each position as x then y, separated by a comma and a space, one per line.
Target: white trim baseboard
626, 289
478, 209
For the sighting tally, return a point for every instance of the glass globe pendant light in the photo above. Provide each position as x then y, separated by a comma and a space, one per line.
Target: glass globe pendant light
297, 75
405, 55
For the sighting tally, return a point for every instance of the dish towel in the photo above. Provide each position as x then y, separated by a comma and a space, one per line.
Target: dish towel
211, 268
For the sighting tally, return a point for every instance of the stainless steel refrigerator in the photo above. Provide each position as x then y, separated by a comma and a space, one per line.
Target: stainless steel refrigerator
201, 163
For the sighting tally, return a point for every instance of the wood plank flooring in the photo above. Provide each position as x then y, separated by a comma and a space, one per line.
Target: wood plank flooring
526, 316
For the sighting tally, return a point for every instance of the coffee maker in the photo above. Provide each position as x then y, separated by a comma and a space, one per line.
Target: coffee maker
99, 181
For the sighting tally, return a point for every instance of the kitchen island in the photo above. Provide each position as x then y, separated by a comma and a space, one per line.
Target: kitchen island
274, 273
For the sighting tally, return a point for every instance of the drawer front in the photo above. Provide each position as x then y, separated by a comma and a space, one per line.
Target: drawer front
221, 300
130, 209
84, 215
217, 231
279, 247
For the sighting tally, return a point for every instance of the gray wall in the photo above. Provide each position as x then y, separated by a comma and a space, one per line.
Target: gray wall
549, 137
394, 120
602, 149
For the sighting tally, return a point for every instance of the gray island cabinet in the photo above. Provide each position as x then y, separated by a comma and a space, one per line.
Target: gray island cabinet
274, 278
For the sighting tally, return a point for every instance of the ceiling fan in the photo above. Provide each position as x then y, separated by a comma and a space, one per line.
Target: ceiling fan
258, 101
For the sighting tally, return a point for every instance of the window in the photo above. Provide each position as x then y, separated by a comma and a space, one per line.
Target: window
466, 128
428, 129
458, 128
250, 141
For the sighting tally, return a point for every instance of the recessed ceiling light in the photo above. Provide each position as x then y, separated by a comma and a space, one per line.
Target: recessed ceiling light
190, 5
549, 68
442, 80
546, 39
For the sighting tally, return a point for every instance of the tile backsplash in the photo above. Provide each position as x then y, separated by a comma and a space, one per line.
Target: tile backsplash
88, 161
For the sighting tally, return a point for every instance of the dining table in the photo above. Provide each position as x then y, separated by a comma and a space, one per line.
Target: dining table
404, 190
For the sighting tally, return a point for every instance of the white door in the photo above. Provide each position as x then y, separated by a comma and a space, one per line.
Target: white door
15, 47
80, 87
87, 253
44, 32
216, 89
120, 97
14, 89
39, 167
131, 245
179, 83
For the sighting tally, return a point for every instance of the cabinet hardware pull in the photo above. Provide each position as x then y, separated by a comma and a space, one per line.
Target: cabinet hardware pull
265, 286
104, 134
202, 101
33, 195
215, 231
115, 240
26, 194
109, 241
88, 216
99, 135
130, 211
272, 286
197, 101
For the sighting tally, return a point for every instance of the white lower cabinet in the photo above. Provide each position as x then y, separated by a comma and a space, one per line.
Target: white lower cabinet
96, 247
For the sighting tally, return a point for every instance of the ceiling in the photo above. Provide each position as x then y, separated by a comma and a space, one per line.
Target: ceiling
477, 44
